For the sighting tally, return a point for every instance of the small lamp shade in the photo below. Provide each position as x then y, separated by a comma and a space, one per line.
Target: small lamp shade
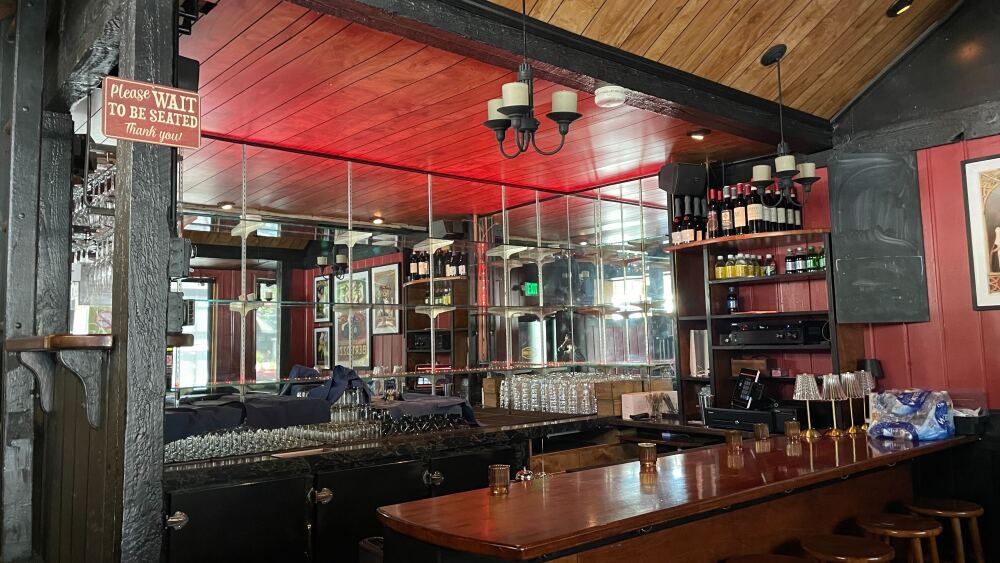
833, 389
872, 366
867, 382
852, 385
806, 388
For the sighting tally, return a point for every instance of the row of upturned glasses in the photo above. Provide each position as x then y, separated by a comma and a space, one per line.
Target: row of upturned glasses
565, 392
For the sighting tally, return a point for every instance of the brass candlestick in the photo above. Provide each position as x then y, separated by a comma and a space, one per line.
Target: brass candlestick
807, 390
833, 391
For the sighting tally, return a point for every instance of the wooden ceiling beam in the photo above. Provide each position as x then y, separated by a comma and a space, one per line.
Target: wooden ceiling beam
491, 33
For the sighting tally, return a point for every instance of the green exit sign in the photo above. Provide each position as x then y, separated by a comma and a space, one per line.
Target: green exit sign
530, 289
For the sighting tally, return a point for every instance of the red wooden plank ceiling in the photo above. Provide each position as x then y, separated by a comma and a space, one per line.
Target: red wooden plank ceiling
278, 74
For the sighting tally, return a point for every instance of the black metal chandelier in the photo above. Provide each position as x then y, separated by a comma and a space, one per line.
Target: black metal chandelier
516, 109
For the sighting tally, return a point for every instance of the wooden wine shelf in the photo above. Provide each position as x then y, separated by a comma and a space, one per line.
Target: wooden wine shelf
436, 279
780, 278
775, 238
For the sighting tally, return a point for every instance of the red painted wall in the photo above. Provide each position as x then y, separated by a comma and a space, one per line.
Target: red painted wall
957, 349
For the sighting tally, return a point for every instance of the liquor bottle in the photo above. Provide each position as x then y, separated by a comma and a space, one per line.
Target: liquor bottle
720, 268
780, 215
726, 209
822, 258
675, 225
740, 212
790, 261
812, 259
800, 260
795, 221
687, 227
712, 226
732, 301
755, 212
770, 268
730, 268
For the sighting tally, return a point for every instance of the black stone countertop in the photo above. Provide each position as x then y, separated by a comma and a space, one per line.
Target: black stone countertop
231, 471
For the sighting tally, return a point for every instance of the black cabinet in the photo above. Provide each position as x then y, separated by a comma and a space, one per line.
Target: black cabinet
261, 521
349, 516
466, 471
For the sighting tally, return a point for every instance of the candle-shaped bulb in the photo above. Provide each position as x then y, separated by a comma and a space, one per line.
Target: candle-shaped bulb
493, 109
515, 94
564, 101
762, 173
784, 163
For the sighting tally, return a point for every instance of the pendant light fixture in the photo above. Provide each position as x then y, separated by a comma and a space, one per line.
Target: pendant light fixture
785, 167
516, 108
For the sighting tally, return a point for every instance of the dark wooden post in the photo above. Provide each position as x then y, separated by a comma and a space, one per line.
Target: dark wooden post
23, 139
142, 236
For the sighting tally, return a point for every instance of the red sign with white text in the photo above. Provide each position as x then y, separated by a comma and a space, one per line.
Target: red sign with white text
150, 113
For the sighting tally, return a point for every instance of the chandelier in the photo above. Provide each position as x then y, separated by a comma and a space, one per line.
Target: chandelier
785, 167
516, 108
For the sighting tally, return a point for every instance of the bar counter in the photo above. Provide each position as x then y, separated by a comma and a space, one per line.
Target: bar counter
701, 505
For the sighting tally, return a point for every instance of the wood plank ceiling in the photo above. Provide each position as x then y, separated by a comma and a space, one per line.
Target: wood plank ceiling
835, 47
275, 73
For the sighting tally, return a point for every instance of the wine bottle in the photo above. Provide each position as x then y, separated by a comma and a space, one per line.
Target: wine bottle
712, 219
703, 219
780, 213
462, 260
726, 209
675, 224
699, 234
755, 212
687, 224
740, 212
796, 209
413, 273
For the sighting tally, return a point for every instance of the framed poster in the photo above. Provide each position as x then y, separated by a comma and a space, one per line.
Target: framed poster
981, 180
321, 295
352, 338
321, 348
385, 291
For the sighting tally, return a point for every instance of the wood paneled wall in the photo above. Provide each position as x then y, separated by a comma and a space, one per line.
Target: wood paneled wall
957, 349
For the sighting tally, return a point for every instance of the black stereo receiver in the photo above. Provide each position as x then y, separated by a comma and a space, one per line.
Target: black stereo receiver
756, 333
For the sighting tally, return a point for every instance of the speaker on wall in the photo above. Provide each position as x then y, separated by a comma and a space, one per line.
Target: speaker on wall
683, 179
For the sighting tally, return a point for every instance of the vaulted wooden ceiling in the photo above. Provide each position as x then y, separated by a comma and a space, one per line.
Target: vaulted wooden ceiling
835, 47
278, 74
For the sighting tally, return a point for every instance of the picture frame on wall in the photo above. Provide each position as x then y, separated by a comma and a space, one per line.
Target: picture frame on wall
981, 186
321, 295
321, 348
352, 336
385, 291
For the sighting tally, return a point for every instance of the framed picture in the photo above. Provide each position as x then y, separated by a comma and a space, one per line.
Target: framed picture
981, 180
352, 337
385, 291
321, 293
321, 347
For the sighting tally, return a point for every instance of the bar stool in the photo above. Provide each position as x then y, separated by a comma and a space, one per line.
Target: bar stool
763, 558
956, 511
847, 549
903, 526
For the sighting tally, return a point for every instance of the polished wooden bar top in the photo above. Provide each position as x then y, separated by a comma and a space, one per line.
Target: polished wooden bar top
567, 510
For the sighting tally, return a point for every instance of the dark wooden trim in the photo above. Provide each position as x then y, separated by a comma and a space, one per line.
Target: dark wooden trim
134, 510
55, 342
491, 33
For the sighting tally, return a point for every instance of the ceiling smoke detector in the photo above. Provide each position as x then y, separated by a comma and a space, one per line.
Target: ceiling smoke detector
610, 96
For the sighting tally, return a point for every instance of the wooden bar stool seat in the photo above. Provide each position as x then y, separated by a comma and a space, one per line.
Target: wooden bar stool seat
955, 511
903, 526
764, 558
847, 549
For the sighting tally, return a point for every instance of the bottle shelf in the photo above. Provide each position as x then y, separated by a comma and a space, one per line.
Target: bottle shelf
427, 281
754, 240
776, 347
701, 380
772, 314
779, 278
763, 379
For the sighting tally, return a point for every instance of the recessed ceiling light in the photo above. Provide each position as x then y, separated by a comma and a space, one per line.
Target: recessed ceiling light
699, 134
226, 205
583, 243
376, 220
898, 7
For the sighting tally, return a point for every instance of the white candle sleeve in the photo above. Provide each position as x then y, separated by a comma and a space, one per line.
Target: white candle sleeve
515, 94
564, 101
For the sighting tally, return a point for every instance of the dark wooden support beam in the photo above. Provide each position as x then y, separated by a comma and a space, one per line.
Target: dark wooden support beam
22, 138
142, 240
86, 40
491, 33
